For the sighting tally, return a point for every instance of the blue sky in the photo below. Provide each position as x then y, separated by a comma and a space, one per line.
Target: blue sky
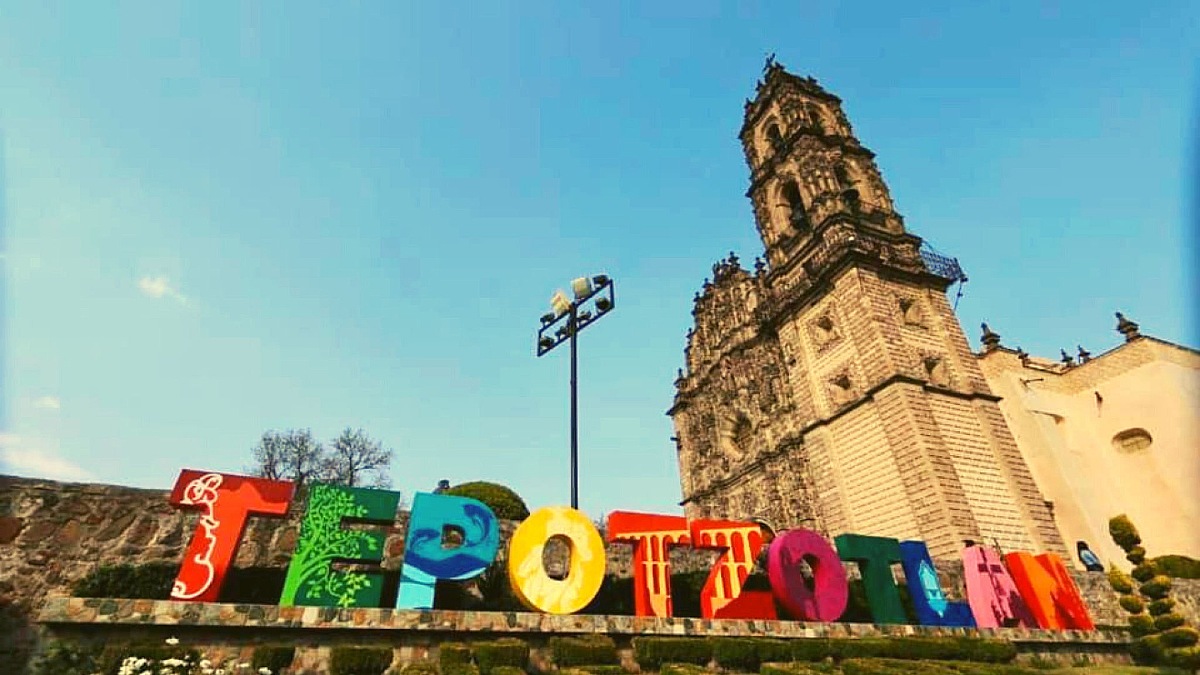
222, 218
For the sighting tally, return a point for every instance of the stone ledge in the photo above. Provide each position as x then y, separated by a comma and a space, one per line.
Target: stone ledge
108, 611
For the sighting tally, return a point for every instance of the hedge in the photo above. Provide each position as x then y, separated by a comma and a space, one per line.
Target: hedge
275, 657
151, 581
359, 660
1178, 566
593, 670
906, 648
747, 654
682, 669
113, 655
583, 651
453, 654
460, 669
421, 668
502, 652
652, 652
505, 670
796, 668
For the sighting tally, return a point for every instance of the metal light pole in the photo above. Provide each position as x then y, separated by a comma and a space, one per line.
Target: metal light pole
563, 324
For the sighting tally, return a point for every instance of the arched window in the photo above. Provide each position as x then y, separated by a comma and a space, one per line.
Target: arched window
814, 118
775, 138
797, 216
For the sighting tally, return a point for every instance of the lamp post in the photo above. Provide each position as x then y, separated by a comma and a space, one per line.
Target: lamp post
566, 318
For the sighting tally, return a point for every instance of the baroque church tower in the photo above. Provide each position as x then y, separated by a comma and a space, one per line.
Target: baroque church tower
831, 386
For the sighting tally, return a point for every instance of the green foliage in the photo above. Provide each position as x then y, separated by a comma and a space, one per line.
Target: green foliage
1141, 624
275, 657
1157, 588
506, 670
1187, 658
359, 660
502, 652
1136, 555
64, 658
460, 669
1122, 531
797, 668
866, 666
1168, 621
1180, 636
583, 651
1178, 566
506, 504
453, 654
1143, 572
1119, 581
811, 649
1132, 604
1160, 607
746, 654
682, 669
430, 668
16, 636
652, 652
1146, 649
113, 655
594, 670
151, 581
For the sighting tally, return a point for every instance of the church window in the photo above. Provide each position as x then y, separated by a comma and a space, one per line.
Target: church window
1132, 440
910, 311
935, 370
775, 138
794, 205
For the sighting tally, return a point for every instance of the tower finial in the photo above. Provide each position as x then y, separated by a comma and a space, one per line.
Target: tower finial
1127, 328
769, 65
1084, 355
990, 338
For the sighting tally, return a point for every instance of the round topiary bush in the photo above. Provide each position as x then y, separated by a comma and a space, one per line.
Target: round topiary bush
507, 504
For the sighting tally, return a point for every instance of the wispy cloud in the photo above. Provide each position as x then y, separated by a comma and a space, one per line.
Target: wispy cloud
24, 458
47, 403
160, 287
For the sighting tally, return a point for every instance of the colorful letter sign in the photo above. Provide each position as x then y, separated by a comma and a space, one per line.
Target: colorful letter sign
324, 540
929, 602
651, 535
739, 542
1019, 590
426, 559
225, 501
527, 575
827, 599
1048, 591
995, 600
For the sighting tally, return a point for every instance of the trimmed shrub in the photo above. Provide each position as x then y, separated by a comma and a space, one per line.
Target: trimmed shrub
275, 657
1168, 621
811, 649
1180, 636
506, 504
1122, 531
1141, 624
1157, 588
1119, 581
1146, 650
506, 670
652, 652
1178, 566
682, 669
1187, 658
583, 651
1160, 607
595, 670
460, 669
453, 654
1132, 604
502, 652
1143, 573
359, 660
746, 654
1136, 555
892, 667
151, 581
425, 668
986, 651
797, 668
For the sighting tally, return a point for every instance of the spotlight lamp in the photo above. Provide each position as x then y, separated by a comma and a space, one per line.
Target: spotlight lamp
564, 322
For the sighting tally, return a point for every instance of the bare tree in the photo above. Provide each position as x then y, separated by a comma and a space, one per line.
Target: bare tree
290, 455
354, 459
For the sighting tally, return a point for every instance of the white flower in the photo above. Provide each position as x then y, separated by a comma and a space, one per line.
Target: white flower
206, 664
172, 641
264, 671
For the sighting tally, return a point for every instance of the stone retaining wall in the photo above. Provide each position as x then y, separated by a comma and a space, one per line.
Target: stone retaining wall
223, 632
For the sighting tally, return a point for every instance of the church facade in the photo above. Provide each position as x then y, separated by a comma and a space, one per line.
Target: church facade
830, 386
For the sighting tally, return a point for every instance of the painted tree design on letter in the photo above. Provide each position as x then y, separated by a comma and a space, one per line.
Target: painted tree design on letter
311, 580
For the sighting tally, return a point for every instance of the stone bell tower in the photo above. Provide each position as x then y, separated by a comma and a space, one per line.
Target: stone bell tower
832, 386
